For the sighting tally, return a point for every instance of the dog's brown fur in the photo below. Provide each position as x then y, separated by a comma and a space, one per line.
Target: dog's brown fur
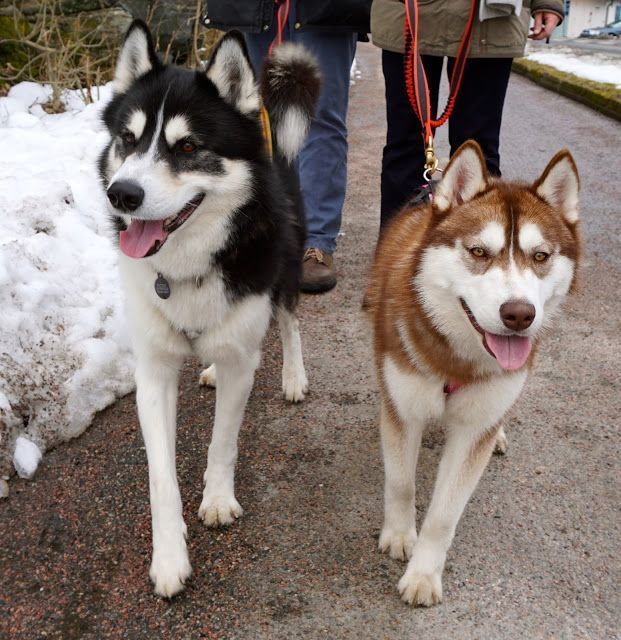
413, 355
390, 294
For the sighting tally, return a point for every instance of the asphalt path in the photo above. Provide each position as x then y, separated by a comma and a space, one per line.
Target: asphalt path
536, 554
581, 45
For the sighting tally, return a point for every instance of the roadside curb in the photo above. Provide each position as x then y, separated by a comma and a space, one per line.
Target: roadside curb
599, 96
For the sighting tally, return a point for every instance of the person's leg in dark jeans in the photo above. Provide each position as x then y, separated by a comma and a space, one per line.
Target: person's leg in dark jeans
403, 158
322, 163
478, 108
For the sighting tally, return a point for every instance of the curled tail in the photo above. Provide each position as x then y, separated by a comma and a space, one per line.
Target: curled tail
290, 85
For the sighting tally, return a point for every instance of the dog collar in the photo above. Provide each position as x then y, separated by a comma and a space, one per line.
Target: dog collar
267, 131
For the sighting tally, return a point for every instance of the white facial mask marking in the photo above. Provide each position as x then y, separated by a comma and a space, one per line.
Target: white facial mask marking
493, 237
443, 280
138, 165
530, 238
137, 122
176, 129
166, 192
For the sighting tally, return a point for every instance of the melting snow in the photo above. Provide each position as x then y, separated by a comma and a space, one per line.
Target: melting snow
26, 457
64, 353
597, 67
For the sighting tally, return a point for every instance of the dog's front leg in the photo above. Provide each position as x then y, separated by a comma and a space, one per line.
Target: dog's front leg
472, 420
235, 379
156, 397
400, 447
465, 456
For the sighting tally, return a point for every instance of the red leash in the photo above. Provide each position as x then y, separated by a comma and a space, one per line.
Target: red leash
416, 78
281, 22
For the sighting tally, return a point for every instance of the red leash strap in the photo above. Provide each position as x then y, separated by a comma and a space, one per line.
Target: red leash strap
282, 16
281, 22
416, 78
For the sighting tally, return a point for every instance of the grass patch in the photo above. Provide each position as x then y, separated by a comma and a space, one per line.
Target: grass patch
601, 96
79, 50
75, 52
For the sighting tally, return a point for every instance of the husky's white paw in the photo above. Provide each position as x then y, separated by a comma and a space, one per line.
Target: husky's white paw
420, 589
398, 544
217, 511
501, 445
208, 376
170, 568
294, 384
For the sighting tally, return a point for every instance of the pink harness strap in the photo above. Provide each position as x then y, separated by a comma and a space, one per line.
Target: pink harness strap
452, 385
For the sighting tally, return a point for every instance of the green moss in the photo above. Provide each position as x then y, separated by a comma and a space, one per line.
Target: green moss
12, 54
602, 96
76, 50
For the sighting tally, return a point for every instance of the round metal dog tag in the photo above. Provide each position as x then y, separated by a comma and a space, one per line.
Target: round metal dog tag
162, 288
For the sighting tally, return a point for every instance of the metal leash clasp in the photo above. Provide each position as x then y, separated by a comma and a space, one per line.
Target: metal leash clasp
431, 162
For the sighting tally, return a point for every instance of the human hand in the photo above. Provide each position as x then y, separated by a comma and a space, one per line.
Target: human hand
545, 23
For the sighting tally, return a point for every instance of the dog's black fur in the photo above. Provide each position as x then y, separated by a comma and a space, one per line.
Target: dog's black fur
266, 239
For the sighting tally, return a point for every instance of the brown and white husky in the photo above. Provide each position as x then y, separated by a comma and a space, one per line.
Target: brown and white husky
459, 294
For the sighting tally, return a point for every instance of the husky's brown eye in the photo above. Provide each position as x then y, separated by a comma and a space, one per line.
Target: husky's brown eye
478, 252
187, 147
128, 137
541, 256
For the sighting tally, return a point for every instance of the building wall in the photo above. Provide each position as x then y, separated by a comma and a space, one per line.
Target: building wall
584, 14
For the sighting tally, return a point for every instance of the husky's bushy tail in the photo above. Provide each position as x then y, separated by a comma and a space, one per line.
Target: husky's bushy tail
290, 85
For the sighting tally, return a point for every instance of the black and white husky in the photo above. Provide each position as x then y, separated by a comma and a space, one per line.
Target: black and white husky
210, 233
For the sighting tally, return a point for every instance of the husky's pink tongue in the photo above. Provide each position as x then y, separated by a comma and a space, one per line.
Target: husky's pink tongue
510, 351
141, 236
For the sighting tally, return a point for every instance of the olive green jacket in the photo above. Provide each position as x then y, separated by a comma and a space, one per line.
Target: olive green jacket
442, 23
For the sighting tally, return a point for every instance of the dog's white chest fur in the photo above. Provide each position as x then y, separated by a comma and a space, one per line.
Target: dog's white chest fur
195, 305
198, 314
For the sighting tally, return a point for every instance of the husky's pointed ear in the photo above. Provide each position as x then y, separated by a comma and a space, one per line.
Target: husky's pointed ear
230, 70
559, 185
137, 56
463, 178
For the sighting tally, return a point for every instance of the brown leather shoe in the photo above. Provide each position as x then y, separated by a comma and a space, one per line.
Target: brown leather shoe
317, 271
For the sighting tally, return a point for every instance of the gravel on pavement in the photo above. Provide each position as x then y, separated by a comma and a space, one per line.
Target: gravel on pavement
536, 554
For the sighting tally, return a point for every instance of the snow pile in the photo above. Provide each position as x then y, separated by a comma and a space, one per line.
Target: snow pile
597, 67
26, 457
64, 353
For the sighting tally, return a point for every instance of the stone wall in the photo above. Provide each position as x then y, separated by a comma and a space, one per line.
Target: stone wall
172, 23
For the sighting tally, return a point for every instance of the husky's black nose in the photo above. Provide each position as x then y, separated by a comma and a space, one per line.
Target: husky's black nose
125, 195
517, 315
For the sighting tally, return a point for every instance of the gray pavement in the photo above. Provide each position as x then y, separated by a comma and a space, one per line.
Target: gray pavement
578, 45
536, 553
